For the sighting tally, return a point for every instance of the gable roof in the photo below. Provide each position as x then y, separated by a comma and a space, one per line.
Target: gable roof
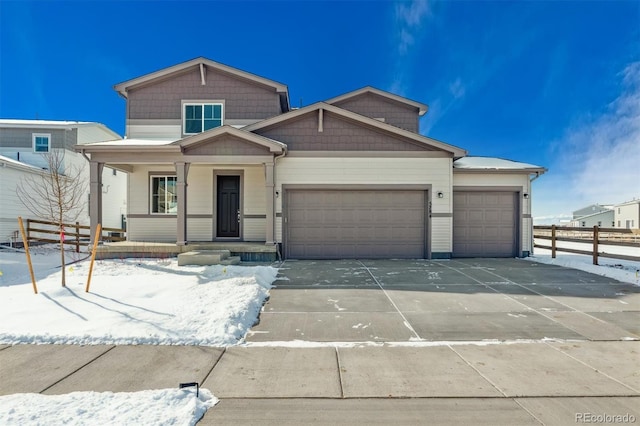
369, 122
272, 145
422, 108
122, 88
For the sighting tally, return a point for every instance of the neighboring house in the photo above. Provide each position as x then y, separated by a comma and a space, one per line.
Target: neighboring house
604, 219
590, 210
627, 215
23, 144
217, 154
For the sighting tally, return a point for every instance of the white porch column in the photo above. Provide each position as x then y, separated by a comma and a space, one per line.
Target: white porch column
269, 187
95, 197
182, 170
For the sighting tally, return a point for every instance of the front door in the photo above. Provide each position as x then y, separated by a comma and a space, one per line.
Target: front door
228, 207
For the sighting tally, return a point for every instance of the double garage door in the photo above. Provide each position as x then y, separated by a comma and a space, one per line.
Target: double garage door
367, 224
484, 224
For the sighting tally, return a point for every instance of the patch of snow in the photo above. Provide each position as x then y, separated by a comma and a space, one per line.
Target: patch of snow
165, 406
621, 270
485, 163
130, 302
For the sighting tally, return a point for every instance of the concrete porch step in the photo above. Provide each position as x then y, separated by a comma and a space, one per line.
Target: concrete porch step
231, 260
207, 257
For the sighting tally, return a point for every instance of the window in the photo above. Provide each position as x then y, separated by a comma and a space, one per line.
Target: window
618, 224
41, 142
200, 117
163, 195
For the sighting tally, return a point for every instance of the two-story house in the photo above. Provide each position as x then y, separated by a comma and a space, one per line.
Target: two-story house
627, 214
217, 154
23, 148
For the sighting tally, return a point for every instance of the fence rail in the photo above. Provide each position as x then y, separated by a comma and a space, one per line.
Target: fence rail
74, 234
595, 236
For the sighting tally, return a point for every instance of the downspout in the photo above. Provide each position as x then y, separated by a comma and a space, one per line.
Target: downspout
275, 180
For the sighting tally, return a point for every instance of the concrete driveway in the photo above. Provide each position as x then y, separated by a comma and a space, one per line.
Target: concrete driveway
451, 300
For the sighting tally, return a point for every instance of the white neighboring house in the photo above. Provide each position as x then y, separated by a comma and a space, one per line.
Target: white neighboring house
627, 215
603, 219
22, 145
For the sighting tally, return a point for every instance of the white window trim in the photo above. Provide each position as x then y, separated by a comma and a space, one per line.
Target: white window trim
151, 177
186, 102
41, 135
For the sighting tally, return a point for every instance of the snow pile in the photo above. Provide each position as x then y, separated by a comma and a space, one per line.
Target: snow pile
166, 406
131, 302
621, 270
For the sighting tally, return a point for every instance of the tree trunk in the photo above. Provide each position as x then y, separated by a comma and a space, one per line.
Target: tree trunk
64, 280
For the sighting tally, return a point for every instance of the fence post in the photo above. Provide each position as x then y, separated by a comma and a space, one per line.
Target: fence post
595, 244
553, 241
77, 237
28, 229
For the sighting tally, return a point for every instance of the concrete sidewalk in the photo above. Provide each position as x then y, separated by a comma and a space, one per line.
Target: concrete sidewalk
511, 384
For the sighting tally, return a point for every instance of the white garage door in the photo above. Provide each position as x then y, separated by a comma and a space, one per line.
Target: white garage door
484, 224
343, 224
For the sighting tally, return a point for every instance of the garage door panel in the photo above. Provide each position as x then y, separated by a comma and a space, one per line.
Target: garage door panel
484, 224
329, 224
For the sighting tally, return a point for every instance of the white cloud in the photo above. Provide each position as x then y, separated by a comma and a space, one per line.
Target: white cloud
457, 89
598, 161
410, 18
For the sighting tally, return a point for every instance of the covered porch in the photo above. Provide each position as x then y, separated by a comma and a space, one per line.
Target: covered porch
214, 187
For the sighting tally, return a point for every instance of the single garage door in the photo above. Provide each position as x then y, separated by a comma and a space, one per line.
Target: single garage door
484, 224
343, 224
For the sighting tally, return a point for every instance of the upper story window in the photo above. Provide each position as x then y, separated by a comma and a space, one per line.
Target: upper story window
41, 142
200, 117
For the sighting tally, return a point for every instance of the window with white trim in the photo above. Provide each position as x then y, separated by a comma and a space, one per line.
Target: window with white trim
200, 117
164, 199
41, 142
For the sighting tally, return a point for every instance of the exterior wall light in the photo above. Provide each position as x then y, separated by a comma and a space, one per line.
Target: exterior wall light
525, 195
440, 194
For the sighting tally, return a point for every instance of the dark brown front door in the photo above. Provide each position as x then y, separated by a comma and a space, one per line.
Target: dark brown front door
228, 202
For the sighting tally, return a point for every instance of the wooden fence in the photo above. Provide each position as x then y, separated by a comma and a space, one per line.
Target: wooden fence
74, 234
595, 236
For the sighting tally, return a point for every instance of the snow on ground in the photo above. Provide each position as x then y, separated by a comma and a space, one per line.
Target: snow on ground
131, 301
621, 270
166, 406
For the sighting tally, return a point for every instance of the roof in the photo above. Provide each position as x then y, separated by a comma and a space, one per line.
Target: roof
17, 164
498, 164
181, 144
53, 124
601, 212
627, 203
273, 145
123, 87
371, 122
422, 108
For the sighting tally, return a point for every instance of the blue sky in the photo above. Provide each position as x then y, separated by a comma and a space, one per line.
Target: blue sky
553, 83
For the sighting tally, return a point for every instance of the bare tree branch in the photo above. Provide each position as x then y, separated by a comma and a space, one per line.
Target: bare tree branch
55, 195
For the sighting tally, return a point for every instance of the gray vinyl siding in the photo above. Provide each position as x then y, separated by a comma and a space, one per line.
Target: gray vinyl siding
22, 138
242, 99
337, 134
227, 145
374, 106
